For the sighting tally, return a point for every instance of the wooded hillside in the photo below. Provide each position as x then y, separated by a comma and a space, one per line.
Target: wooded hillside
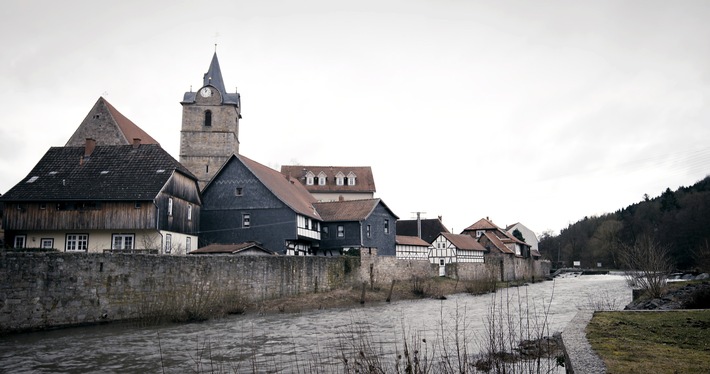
678, 219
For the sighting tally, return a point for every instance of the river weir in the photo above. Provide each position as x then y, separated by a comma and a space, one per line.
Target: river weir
386, 334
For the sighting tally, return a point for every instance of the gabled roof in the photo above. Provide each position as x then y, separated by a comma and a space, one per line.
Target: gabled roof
348, 210
483, 224
231, 249
364, 181
410, 240
213, 77
108, 126
119, 172
431, 228
465, 242
497, 243
288, 190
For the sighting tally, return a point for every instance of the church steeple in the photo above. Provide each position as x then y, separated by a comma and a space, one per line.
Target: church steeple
210, 125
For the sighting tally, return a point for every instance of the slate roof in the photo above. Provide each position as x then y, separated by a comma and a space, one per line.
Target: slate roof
110, 173
465, 242
410, 240
348, 210
231, 248
431, 228
213, 77
364, 181
97, 127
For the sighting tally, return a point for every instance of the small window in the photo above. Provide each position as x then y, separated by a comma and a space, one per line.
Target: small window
137, 205
325, 232
20, 241
369, 231
170, 206
322, 179
43, 206
188, 244
387, 226
246, 220
341, 231
309, 178
340, 179
189, 212
122, 241
168, 243
238, 191
208, 118
46, 243
207, 169
351, 179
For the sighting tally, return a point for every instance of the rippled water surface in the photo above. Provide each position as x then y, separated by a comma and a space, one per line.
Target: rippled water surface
296, 342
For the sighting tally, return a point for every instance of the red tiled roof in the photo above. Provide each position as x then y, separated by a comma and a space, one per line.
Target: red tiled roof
462, 241
364, 181
129, 129
482, 224
497, 243
410, 240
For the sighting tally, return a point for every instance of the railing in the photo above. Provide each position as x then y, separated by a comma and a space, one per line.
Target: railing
133, 251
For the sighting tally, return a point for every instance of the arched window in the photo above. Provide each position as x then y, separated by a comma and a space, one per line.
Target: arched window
208, 118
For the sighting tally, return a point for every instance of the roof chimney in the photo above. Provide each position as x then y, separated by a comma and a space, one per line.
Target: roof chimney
136, 142
89, 147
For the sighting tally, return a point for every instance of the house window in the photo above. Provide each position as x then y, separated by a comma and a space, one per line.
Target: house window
341, 231
20, 241
188, 244
321, 179
168, 243
479, 233
246, 220
189, 212
46, 243
369, 231
137, 205
208, 118
325, 232
351, 179
122, 241
309, 178
339, 179
77, 242
170, 206
43, 206
238, 191
387, 226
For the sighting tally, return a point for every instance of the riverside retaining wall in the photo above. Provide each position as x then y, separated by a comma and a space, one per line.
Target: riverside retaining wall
40, 290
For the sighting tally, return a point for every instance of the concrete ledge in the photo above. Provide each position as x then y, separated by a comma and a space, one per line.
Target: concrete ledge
579, 356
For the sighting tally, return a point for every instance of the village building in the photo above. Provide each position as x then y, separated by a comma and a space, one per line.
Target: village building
498, 241
97, 198
356, 224
411, 247
239, 249
333, 183
210, 125
528, 235
247, 201
427, 229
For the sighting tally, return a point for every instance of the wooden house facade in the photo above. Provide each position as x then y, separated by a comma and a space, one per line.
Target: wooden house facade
105, 198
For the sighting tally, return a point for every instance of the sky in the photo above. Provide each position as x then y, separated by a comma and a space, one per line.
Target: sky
539, 112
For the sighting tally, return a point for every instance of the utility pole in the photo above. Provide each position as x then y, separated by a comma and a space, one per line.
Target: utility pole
419, 223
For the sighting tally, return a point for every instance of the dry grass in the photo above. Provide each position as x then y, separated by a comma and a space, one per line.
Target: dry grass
652, 342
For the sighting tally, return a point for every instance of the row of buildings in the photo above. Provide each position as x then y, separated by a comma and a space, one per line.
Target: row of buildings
111, 187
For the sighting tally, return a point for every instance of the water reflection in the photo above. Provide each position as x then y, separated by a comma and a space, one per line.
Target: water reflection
293, 342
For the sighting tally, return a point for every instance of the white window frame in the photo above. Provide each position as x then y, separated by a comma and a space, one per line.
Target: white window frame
340, 179
121, 244
20, 241
369, 231
168, 243
309, 178
351, 179
387, 226
246, 220
341, 231
188, 244
46, 243
322, 178
189, 212
76, 243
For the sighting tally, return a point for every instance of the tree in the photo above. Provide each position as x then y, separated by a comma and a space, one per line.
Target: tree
648, 265
518, 235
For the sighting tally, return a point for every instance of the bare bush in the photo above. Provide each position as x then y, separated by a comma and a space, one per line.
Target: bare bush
648, 265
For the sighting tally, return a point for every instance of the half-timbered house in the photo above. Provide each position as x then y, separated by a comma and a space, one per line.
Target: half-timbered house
450, 248
426, 228
411, 247
105, 198
247, 201
356, 224
496, 240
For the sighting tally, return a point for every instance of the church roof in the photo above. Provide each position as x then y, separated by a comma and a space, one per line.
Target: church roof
108, 126
213, 77
108, 173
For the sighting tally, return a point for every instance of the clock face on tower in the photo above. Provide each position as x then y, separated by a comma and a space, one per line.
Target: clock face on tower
206, 92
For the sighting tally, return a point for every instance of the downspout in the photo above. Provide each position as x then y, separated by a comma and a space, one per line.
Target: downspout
157, 225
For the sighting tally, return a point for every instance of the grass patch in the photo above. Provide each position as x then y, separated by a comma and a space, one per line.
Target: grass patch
652, 342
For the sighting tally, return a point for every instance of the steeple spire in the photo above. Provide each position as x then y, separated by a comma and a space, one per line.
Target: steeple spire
213, 77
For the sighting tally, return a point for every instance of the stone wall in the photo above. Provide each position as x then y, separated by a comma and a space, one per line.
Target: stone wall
40, 290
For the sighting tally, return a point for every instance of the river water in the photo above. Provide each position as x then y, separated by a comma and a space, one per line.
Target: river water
314, 341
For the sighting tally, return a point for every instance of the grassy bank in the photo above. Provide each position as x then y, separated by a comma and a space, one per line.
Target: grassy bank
652, 342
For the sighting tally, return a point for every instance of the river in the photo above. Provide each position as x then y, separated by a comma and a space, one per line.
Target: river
313, 341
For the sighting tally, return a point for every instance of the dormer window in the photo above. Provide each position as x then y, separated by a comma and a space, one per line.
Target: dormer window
322, 178
309, 178
479, 233
351, 179
340, 179
208, 118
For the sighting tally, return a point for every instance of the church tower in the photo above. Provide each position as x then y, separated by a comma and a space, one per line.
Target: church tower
210, 125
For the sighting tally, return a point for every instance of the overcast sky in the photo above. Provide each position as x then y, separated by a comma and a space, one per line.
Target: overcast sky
540, 112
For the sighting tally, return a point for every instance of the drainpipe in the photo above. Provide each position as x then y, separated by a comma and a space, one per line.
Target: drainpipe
157, 225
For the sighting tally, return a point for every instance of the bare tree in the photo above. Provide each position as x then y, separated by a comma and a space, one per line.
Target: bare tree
648, 263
